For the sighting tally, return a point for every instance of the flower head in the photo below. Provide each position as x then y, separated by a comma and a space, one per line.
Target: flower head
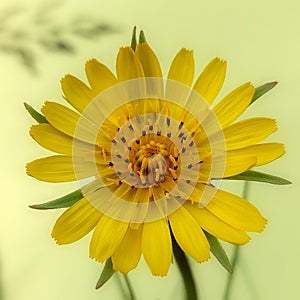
149, 153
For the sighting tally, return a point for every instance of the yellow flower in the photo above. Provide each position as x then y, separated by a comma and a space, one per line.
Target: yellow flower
148, 153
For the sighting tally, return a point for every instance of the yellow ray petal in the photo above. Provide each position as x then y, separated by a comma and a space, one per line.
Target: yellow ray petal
50, 138
157, 246
78, 94
128, 254
148, 60
66, 121
106, 238
215, 226
248, 132
59, 168
99, 76
236, 212
264, 153
128, 65
182, 71
151, 68
234, 104
227, 165
75, 222
182, 67
211, 80
189, 235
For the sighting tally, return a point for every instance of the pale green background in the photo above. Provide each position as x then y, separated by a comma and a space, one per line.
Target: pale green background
260, 41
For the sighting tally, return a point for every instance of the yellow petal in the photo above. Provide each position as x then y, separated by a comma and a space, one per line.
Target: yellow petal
234, 104
226, 165
248, 132
75, 222
182, 67
148, 60
128, 254
99, 76
78, 94
50, 138
66, 121
215, 226
236, 212
189, 235
151, 68
157, 246
128, 65
264, 153
211, 80
182, 71
106, 238
59, 168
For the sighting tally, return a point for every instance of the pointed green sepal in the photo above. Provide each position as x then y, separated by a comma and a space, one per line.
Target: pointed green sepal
106, 274
36, 115
261, 90
133, 39
142, 38
65, 201
259, 177
218, 251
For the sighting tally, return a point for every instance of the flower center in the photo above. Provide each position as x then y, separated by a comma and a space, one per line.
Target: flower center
152, 157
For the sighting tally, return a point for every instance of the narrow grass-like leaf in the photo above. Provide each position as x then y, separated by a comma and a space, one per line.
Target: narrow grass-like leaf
106, 274
36, 115
133, 39
259, 177
65, 201
218, 251
261, 90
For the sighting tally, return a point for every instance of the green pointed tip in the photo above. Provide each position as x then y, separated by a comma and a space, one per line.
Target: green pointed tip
106, 274
65, 201
133, 39
36, 115
219, 252
142, 38
261, 90
251, 175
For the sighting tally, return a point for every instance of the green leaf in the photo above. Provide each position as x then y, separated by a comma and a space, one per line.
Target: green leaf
261, 90
142, 38
259, 177
133, 39
218, 251
36, 115
106, 274
65, 201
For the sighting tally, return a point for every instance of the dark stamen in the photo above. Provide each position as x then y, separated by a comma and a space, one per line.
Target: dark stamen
110, 164
183, 150
137, 141
188, 181
143, 133
191, 143
180, 125
168, 121
181, 134
158, 133
151, 127
190, 166
123, 139
169, 134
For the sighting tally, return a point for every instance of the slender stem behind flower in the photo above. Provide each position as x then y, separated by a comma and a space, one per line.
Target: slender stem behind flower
235, 256
186, 272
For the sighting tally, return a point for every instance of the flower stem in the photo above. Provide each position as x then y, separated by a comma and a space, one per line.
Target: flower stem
186, 272
129, 287
236, 254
